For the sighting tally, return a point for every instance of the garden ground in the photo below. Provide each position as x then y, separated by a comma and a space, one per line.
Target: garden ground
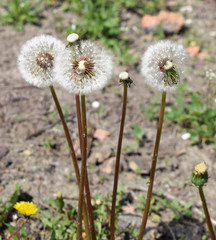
33, 150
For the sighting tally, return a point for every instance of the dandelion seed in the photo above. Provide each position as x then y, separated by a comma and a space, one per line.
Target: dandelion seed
83, 67
36, 60
163, 65
26, 208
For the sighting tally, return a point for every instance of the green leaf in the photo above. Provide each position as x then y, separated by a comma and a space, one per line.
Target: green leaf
53, 237
47, 222
189, 204
6, 208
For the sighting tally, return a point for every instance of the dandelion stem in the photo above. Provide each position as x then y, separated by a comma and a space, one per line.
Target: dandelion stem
79, 119
153, 167
73, 155
87, 188
205, 208
17, 232
83, 167
115, 185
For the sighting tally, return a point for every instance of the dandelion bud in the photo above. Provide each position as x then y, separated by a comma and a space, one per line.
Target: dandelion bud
123, 76
92, 202
199, 175
59, 201
98, 202
59, 195
163, 65
73, 37
83, 235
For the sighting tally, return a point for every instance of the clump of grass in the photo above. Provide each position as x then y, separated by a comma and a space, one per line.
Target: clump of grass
196, 116
101, 19
59, 219
18, 12
161, 203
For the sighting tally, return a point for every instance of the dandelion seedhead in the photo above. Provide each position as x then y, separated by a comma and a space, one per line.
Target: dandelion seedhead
83, 67
26, 208
36, 60
199, 175
163, 65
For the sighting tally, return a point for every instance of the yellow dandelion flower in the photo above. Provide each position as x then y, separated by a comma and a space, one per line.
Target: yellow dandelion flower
26, 208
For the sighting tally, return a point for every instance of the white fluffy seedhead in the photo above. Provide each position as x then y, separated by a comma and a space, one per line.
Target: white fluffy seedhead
36, 60
84, 67
163, 65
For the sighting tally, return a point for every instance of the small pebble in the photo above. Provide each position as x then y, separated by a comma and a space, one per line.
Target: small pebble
212, 34
186, 9
27, 153
186, 136
95, 104
188, 21
15, 217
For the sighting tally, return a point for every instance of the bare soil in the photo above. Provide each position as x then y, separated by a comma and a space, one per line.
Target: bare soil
29, 121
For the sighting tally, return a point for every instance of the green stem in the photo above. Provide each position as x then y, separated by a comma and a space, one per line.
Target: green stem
83, 167
87, 188
73, 155
115, 185
153, 167
208, 219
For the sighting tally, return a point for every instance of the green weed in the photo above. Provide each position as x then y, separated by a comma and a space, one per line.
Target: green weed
161, 203
101, 110
151, 110
128, 148
12, 229
66, 113
60, 220
101, 20
6, 208
196, 116
49, 143
138, 133
18, 12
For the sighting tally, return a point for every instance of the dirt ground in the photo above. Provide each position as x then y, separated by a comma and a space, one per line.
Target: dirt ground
33, 149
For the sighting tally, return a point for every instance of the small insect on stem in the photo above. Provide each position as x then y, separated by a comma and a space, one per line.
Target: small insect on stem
124, 77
